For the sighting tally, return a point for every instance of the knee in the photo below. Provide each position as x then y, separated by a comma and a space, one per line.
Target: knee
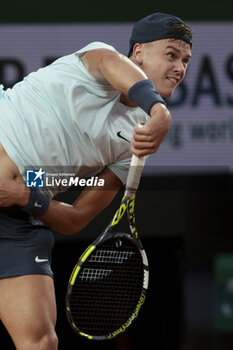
49, 342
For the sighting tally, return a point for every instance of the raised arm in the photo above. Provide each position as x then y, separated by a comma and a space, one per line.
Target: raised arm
110, 67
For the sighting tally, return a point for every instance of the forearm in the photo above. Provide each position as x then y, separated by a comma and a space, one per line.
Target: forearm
70, 219
65, 218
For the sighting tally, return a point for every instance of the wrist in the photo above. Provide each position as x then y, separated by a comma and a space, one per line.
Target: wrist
145, 95
38, 203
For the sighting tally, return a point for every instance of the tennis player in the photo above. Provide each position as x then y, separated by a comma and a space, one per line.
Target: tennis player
79, 112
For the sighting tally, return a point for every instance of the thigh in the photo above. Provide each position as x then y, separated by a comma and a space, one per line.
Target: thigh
24, 252
28, 306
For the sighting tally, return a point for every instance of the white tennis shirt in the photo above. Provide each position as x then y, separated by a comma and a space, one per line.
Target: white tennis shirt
60, 116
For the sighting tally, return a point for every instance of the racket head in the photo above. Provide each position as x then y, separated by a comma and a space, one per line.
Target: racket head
107, 287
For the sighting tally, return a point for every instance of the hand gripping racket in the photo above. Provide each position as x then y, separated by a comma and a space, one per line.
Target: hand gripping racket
108, 284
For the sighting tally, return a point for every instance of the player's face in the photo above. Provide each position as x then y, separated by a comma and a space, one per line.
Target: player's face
165, 62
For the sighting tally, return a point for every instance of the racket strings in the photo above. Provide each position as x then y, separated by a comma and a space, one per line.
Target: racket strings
108, 287
91, 275
110, 256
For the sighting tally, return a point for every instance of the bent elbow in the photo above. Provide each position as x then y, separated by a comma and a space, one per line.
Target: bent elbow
69, 230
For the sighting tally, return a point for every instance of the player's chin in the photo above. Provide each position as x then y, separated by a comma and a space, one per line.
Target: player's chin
167, 92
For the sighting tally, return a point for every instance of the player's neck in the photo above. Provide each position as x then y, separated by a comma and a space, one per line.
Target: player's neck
126, 101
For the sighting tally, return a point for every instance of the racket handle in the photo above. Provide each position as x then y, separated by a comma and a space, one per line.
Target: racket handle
134, 174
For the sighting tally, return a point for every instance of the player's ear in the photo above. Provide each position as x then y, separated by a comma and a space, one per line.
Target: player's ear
138, 54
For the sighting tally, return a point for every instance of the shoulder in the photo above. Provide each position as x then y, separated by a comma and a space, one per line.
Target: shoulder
92, 56
94, 46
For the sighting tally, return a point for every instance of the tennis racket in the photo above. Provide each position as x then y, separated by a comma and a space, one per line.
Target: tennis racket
109, 283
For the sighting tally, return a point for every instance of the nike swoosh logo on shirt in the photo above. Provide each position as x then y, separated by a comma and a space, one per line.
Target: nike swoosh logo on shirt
122, 137
37, 259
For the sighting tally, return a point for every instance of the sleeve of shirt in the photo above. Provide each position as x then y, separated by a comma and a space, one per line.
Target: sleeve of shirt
95, 45
121, 169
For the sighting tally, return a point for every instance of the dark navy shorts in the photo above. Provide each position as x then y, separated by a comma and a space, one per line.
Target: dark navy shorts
25, 244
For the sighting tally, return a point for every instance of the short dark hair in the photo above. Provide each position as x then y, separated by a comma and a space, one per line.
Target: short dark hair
181, 31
